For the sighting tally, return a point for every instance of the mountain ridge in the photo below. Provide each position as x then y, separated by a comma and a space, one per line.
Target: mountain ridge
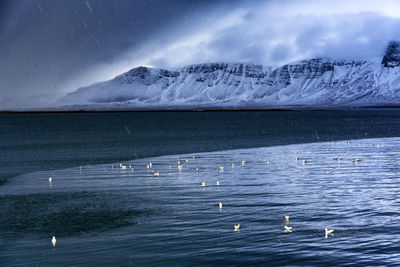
310, 82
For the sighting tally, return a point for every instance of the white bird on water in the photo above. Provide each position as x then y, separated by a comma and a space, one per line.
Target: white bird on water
287, 218
220, 205
243, 162
237, 227
156, 173
50, 179
180, 168
328, 232
287, 229
221, 169
217, 182
233, 165
203, 183
54, 241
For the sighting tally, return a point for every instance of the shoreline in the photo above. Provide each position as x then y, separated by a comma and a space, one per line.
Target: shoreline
177, 110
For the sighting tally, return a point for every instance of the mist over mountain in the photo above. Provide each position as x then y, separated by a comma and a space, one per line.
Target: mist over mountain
318, 82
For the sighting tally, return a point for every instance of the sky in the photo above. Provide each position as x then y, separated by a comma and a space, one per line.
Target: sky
51, 47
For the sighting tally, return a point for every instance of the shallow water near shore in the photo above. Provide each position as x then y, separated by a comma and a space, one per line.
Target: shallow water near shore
106, 215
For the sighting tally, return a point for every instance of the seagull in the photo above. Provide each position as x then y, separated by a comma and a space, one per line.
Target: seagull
179, 162
217, 182
50, 179
287, 218
237, 227
54, 241
233, 165
123, 167
197, 169
267, 162
112, 166
356, 160
170, 167
338, 159
297, 158
156, 173
194, 157
80, 167
203, 183
328, 232
243, 162
220, 205
186, 160
304, 161
180, 168
221, 169
288, 229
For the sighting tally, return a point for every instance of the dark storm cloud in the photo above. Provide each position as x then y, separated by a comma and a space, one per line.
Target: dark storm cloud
44, 43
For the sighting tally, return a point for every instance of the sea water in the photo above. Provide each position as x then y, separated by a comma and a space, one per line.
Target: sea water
102, 214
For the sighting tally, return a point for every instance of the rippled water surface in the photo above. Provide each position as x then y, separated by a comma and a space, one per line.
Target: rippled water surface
107, 215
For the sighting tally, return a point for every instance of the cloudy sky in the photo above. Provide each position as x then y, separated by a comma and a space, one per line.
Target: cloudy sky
51, 47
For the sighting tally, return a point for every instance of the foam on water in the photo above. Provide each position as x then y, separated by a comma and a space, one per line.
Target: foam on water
99, 212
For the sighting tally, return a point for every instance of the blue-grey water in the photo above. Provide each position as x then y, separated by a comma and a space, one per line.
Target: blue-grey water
106, 215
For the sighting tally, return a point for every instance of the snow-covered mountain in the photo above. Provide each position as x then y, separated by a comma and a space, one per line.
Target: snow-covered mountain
315, 82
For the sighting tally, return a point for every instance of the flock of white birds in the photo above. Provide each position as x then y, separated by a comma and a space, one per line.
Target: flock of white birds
180, 168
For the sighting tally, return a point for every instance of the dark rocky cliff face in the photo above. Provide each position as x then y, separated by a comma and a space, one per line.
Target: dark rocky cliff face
392, 55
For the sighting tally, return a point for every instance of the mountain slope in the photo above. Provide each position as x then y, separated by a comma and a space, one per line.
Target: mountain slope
315, 82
